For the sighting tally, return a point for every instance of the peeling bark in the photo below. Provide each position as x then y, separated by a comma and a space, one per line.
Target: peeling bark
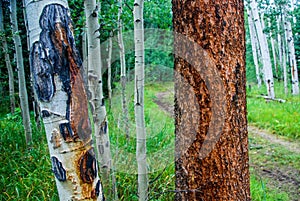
210, 102
57, 77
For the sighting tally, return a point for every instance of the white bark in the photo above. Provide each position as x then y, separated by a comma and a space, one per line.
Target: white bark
125, 119
84, 54
96, 90
139, 100
284, 58
109, 50
279, 42
292, 57
254, 45
273, 51
8, 64
267, 66
62, 100
21, 74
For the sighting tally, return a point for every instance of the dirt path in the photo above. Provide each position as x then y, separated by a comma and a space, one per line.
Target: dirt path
281, 177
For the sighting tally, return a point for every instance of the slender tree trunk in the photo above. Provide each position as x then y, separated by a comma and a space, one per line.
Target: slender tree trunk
284, 56
273, 51
21, 74
211, 145
125, 119
109, 50
96, 91
57, 76
254, 46
8, 64
267, 65
139, 100
84, 54
279, 42
292, 57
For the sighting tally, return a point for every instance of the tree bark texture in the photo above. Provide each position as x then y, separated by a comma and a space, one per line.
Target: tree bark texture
292, 57
254, 43
266, 59
211, 145
125, 118
21, 74
109, 50
57, 77
141, 155
8, 64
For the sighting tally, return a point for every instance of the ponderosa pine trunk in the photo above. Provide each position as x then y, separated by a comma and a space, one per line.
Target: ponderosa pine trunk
8, 63
141, 149
56, 69
125, 118
211, 145
96, 91
266, 60
21, 74
254, 44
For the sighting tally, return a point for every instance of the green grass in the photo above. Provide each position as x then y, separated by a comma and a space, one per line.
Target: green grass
280, 118
26, 174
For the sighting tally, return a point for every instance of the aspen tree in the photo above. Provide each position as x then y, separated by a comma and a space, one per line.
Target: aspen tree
21, 74
56, 69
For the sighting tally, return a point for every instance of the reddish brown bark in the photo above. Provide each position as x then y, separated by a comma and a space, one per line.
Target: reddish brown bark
211, 160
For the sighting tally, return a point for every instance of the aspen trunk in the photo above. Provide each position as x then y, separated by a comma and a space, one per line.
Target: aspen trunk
273, 51
284, 58
109, 50
292, 57
254, 46
57, 76
21, 74
139, 100
96, 92
125, 119
279, 42
8, 64
211, 145
267, 65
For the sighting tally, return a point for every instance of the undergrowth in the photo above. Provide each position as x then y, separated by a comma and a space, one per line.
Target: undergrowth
279, 118
25, 174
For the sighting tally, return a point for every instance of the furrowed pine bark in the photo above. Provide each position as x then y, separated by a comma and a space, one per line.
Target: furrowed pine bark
266, 60
292, 57
21, 74
125, 118
211, 144
254, 44
96, 98
141, 155
56, 69
8, 64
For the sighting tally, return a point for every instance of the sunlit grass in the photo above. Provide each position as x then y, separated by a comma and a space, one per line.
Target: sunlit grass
280, 118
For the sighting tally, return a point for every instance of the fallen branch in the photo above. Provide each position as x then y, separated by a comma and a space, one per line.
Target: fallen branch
267, 98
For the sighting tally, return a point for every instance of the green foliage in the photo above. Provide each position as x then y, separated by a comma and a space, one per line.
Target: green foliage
25, 173
280, 118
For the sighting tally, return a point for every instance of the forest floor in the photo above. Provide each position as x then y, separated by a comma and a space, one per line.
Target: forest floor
273, 159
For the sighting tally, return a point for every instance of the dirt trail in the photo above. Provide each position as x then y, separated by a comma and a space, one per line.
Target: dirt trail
281, 177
